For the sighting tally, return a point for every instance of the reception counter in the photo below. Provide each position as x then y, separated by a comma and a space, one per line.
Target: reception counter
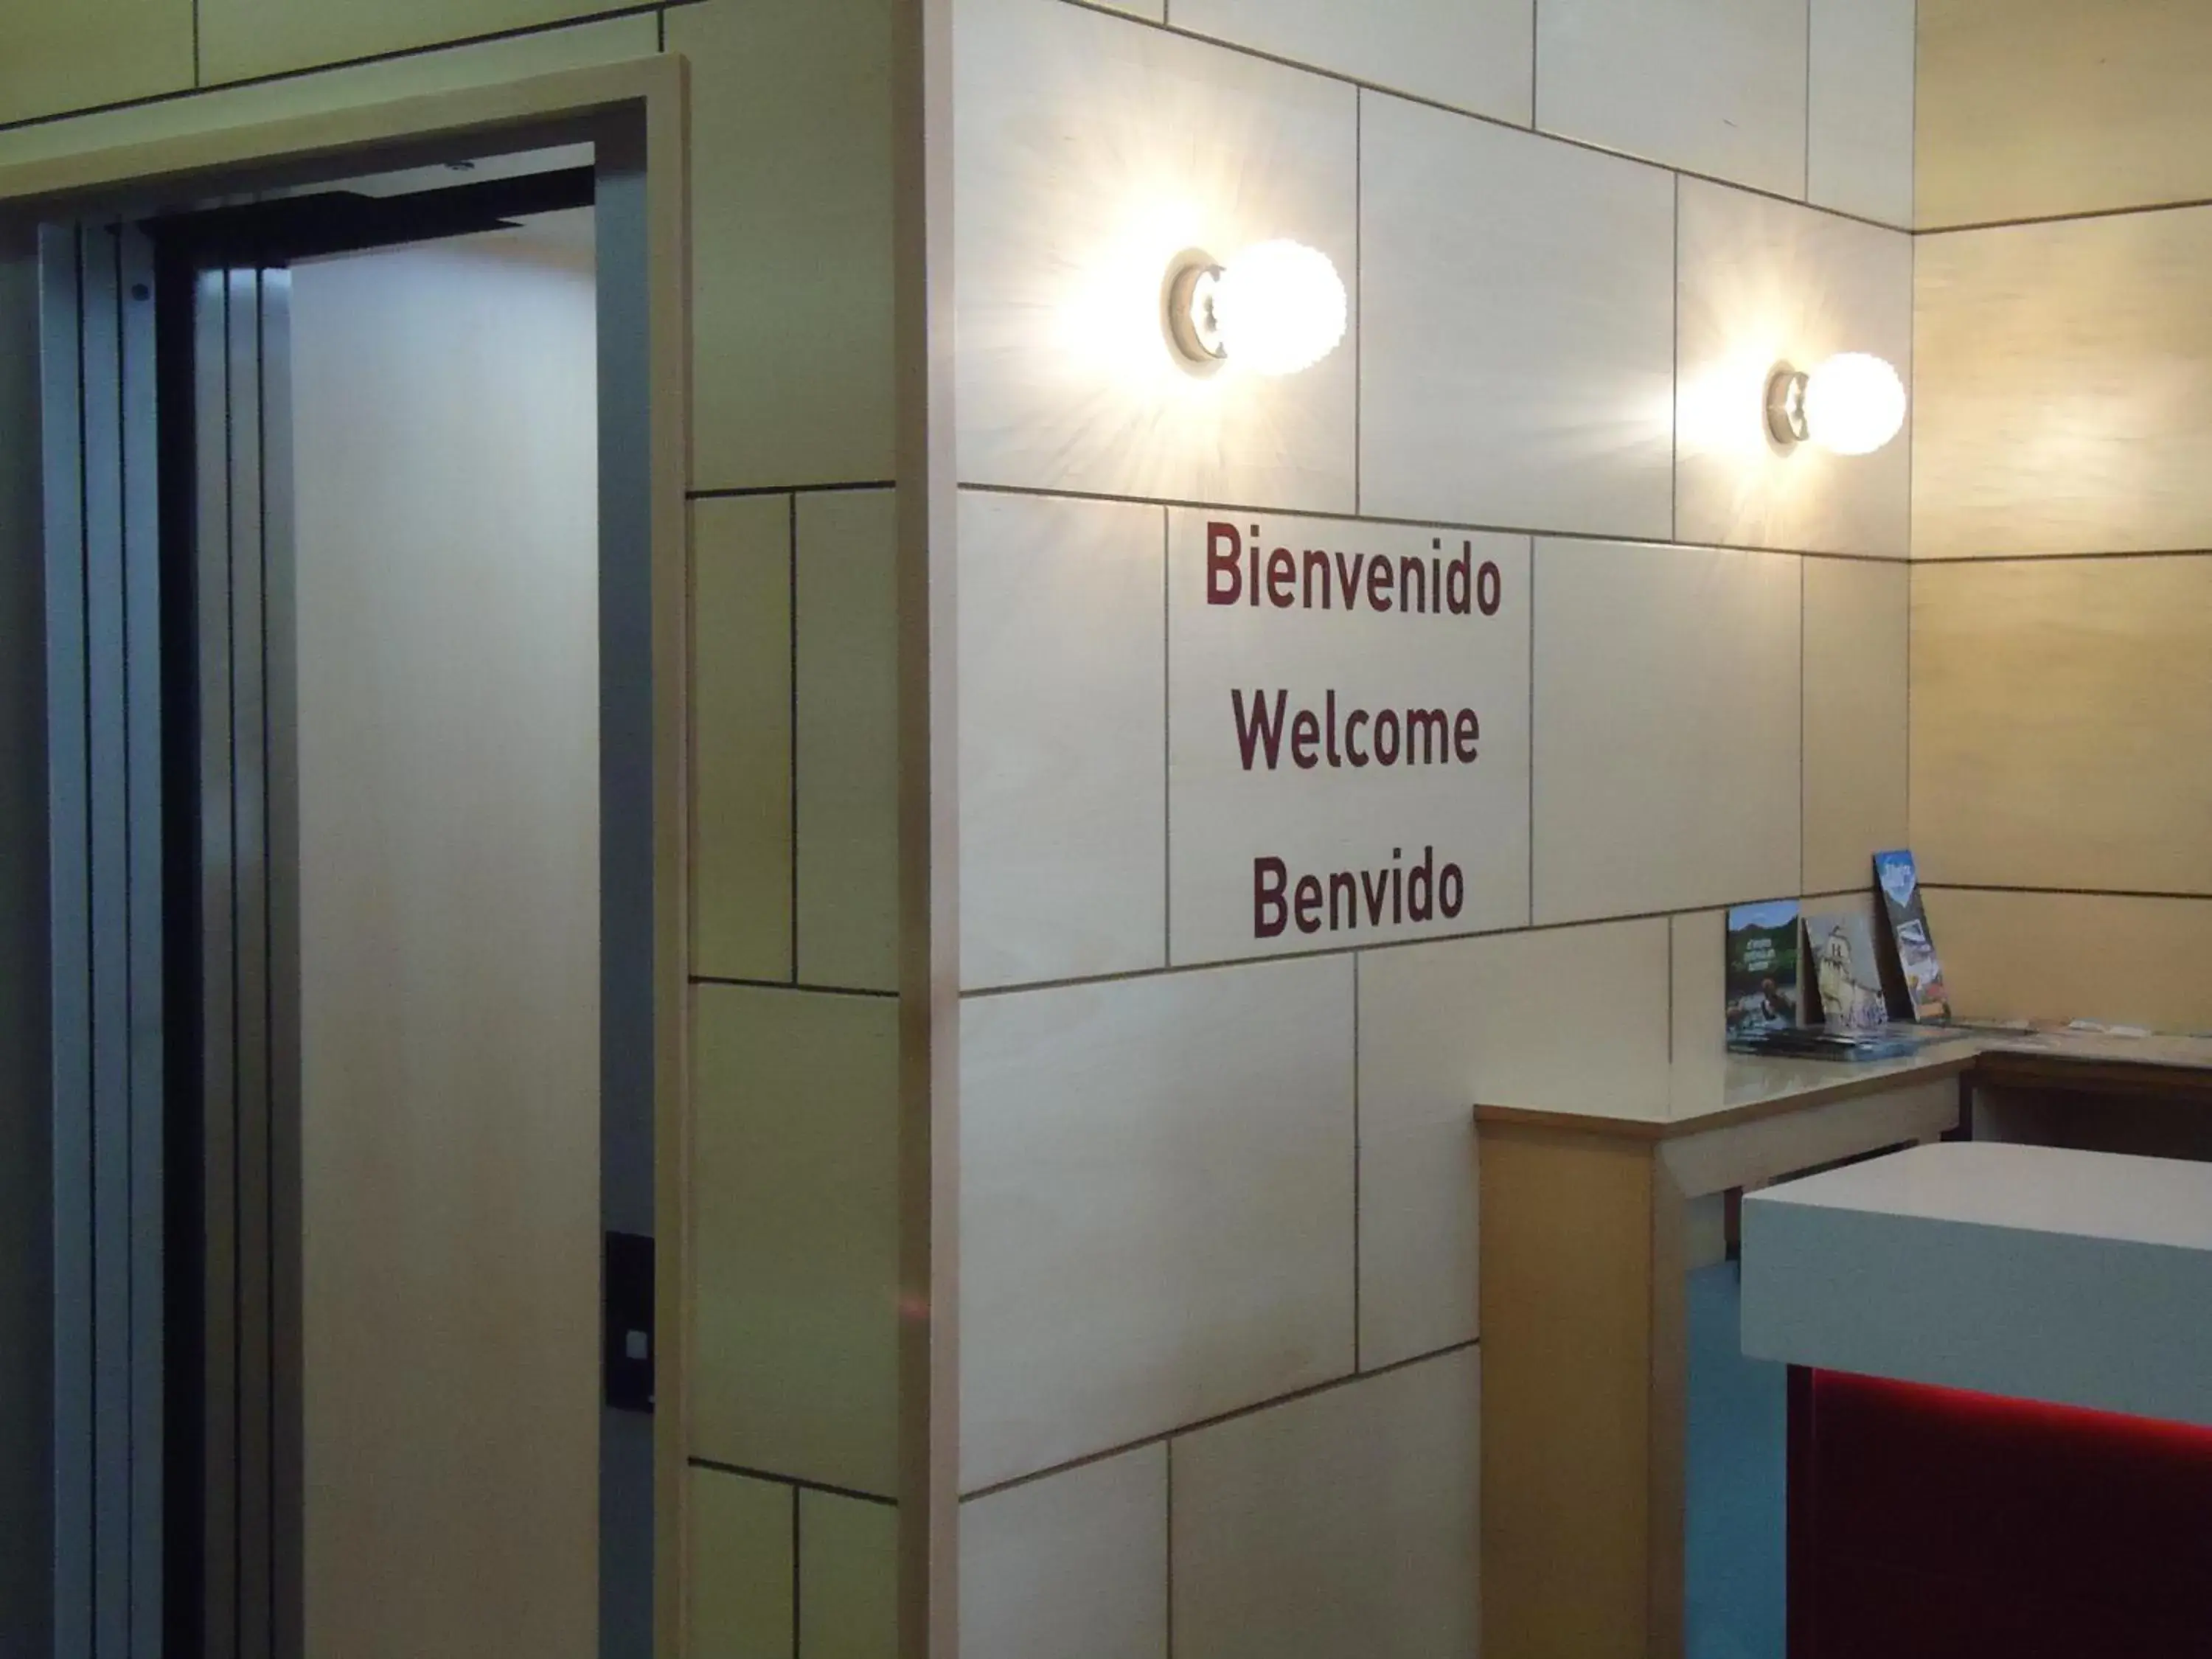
1591, 1223
2077, 1278
2000, 1401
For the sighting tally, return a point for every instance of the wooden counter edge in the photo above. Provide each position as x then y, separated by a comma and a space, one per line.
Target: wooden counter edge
1637, 1128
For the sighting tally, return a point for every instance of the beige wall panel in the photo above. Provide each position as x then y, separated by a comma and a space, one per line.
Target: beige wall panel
482, 64
794, 1203
1715, 87
2064, 384
2062, 724
1667, 728
2075, 956
1345, 1523
1063, 739
1698, 1056
85, 52
1858, 155
1089, 153
1472, 54
791, 240
737, 1590
1503, 1021
1074, 1566
847, 1578
1857, 618
1765, 282
242, 40
848, 739
2034, 109
1548, 404
1417, 1239
1156, 1206
741, 738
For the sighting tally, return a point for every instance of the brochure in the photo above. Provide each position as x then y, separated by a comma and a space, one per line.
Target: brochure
1847, 970
1912, 952
1762, 967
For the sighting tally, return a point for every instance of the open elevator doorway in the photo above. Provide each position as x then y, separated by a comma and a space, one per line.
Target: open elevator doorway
382, 438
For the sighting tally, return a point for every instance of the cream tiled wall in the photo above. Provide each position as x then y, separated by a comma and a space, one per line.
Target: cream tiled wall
793, 1376
2062, 792
1218, 1228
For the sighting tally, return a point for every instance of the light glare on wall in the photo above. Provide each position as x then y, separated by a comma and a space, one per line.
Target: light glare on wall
1276, 308
1852, 405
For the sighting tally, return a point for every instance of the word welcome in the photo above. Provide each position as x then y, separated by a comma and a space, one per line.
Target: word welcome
1319, 580
1335, 902
1388, 737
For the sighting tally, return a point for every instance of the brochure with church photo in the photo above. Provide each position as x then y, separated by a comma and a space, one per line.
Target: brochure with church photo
1846, 970
1762, 968
1912, 951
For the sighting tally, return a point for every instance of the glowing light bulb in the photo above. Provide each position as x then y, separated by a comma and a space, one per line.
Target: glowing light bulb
1852, 405
1276, 308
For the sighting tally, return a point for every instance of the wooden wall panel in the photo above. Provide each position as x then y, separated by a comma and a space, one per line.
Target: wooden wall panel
1069, 1567
2030, 108
1856, 633
2069, 956
2063, 383
1668, 730
2062, 724
847, 739
1156, 1206
1566, 1330
795, 1233
1759, 283
240, 40
741, 738
847, 1578
1089, 155
1714, 86
55, 56
739, 1603
1337, 1525
791, 240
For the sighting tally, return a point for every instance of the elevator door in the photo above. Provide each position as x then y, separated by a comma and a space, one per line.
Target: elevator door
445, 647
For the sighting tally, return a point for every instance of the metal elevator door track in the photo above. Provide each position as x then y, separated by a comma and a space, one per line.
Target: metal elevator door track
164, 499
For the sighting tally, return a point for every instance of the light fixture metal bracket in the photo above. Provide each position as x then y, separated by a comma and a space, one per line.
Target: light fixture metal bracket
1193, 282
1785, 406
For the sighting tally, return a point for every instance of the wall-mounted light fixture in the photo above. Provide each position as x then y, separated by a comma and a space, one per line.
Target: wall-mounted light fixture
1852, 404
1275, 308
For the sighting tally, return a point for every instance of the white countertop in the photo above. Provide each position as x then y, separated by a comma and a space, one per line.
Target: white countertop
2082, 1279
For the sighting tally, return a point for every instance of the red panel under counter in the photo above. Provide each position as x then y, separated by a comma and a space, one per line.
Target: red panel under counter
1931, 1523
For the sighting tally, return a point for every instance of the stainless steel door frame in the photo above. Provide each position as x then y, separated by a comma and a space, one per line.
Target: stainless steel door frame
105, 964
249, 1594
630, 835
84, 890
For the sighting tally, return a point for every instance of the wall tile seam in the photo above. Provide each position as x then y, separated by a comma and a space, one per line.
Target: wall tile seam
1325, 72
2028, 220
202, 88
795, 1483
1933, 560
2148, 895
1393, 521
986, 993
1168, 1436
797, 988
748, 492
